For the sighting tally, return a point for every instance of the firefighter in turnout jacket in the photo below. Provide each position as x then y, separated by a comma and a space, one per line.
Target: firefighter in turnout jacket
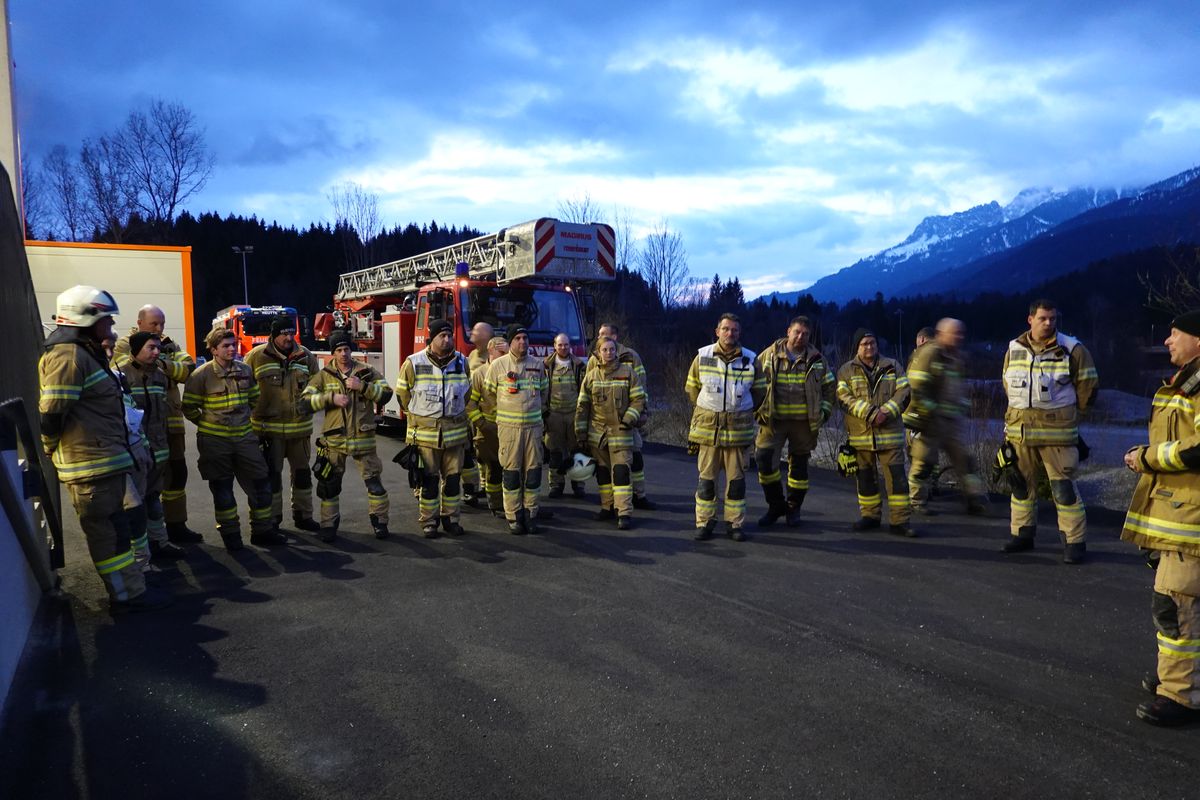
481, 334
283, 367
1164, 520
177, 364
724, 386
609, 330
937, 403
219, 397
432, 390
565, 372
86, 432
873, 392
348, 391
481, 410
149, 386
798, 397
1050, 380
521, 390
611, 401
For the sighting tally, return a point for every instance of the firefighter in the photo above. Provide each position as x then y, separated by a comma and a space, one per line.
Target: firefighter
481, 410
481, 334
177, 364
610, 330
432, 390
611, 401
725, 388
149, 387
937, 403
86, 432
565, 372
349, 391
799, 394
219, 398
1163, 520
521, 390
1050, 380
283, 367
873, 392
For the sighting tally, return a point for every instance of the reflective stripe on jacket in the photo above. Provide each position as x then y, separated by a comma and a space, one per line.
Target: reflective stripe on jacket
800, 388
521, 389
725, 390
863, 392
149, 388
936, 387
176, 363
434, 398
281, 380
1164, 513
565, 380
220, 400
1047, 387
611, 402
349, 430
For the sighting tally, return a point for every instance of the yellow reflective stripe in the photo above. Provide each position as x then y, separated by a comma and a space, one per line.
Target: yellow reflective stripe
117, 562
282, 428
1170, 530
1178, 648
90, 468
224, 431
61, 392
99, 376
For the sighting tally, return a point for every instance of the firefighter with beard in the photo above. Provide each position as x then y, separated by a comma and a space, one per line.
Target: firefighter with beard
1050, 380
348, 391
1164, 520
565, 372
219, 398
87, 434
799, 394
725, 389
611, 401
432, 390
873, 392
283, 367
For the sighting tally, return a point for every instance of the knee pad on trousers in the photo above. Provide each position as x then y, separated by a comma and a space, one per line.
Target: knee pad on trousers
454, 484
1063, 492
868, 484
512, 479
302, 478
331, 488
1166, 615
620, 475
222, 492
429, 486
177, 473
375, 486
798, 466
899, 479
137, 521
638, 462
603, 475
764, 457
533, 478
706, 489
276, 479
736, 490
493, 473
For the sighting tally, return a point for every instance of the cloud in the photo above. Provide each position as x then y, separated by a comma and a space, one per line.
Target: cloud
1181, 117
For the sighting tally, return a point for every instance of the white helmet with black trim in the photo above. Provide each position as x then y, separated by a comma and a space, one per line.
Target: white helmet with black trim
582, 468
83, 307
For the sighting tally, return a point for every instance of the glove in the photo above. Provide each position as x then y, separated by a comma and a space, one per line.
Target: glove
693, 449
1152, 557
847, 461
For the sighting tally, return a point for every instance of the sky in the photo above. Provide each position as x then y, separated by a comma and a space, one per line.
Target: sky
782, 141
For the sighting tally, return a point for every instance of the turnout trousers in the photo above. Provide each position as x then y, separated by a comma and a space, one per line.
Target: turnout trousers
174, 492
521, 462
560, 444
1177, 621
801, 440
711, 463
891, 464
106, 527
441, 484
944, 433
613, 475
370, 468
221, 461
297, 452
1061, 463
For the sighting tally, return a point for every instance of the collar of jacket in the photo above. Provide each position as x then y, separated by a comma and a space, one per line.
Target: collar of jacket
1026, 340
298, 351
440, 361
1184, 381
332, 369
65, 334
728, 357
779, 351
147, 368
881, 364
222, 371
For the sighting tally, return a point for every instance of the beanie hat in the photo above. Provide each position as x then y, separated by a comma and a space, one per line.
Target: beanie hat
282, 325
514, 330
857, 338
138, 340
437, 327
339, 338
1188, 323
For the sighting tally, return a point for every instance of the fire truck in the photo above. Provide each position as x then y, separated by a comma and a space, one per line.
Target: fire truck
252, 324
533, 273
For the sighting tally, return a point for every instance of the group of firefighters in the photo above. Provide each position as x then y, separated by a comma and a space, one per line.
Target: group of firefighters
485, 426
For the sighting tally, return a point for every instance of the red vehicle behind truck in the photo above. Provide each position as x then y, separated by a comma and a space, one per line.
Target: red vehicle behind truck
533, 273
252, 324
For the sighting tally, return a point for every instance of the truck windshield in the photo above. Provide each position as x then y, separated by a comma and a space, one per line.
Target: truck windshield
545, 312
257, 324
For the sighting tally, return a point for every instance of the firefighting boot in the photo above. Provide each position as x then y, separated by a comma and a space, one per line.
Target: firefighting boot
776, 506
1020, 541
328, 534
903, 529
735, 532
578, 489
1167, 713
1150, 682
180, 533
306, 524
865, 524
555, 492
380, 528
233, 541
451, 527
624, 523
644, 503
471, 494
705, 531
605, 515
530, 521
1073, 552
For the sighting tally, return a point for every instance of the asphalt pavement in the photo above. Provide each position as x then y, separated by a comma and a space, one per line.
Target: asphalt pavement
587, 662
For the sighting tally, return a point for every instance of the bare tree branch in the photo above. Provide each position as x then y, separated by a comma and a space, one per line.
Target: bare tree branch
663, 263
356, 213
64, 195
166, 158
109, 193
580, 209
1179, 290
33, 200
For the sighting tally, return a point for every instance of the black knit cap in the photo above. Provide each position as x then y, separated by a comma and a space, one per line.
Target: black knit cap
138, 340
438, 326
339, 338
1188, 323
513, 331
282, 325
857, 338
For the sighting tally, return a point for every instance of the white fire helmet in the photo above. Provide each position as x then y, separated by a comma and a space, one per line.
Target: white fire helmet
583, 467
83, 307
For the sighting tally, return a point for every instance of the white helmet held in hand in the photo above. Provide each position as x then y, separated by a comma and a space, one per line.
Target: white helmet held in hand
582, 468
83, 307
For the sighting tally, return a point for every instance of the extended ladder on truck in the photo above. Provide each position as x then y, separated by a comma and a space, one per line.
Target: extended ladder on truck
540, 250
